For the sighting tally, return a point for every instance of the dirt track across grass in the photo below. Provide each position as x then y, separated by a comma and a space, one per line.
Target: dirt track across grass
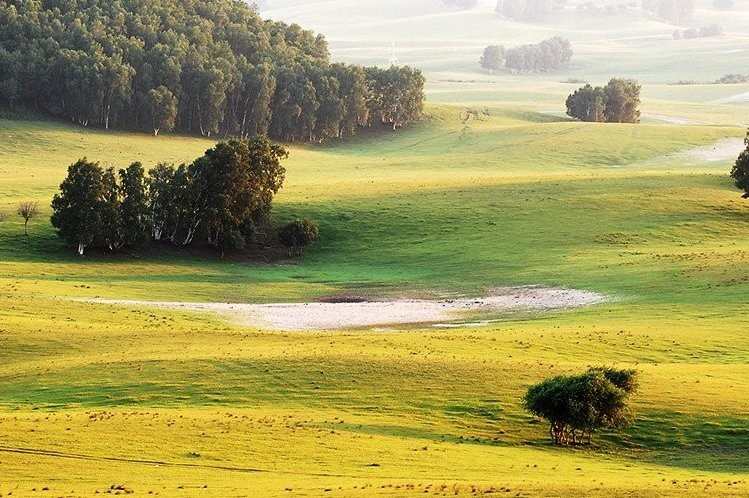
366, 314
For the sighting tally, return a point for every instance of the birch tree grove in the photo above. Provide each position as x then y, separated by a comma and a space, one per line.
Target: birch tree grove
213, 68
222, 199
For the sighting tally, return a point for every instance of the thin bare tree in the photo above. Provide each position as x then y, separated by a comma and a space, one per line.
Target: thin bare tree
27, 210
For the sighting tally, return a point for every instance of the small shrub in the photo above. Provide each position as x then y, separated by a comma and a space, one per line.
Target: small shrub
299, 234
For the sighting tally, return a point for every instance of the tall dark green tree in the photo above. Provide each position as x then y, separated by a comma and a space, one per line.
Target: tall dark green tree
163, 109
110, 234
238, 180
587, 104
133, 215
77, 209
622, 101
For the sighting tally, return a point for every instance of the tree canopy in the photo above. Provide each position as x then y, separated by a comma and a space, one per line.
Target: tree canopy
493, 58
577, 405
548, 55
222, 198
209, 67
617, 102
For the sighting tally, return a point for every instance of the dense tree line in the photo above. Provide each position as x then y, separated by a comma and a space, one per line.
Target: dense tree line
617, 102
549, 55
223, 198
209, 67
577, 405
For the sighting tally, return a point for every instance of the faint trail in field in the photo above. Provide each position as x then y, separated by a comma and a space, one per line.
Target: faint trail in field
228, 468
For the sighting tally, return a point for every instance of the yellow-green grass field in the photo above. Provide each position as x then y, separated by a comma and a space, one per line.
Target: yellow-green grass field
182, 404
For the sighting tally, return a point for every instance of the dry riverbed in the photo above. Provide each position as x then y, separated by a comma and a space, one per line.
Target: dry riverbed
367, 314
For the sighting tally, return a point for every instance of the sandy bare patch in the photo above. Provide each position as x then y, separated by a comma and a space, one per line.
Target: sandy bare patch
367, 314
723, 150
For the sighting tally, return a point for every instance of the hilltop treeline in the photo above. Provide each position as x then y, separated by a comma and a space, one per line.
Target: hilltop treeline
223, 198
548, 55
208, 67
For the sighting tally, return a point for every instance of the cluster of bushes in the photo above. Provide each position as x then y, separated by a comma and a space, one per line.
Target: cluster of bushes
548, 55
577, 405
209, 67
223, 199
617, 102
703, 32
740, 172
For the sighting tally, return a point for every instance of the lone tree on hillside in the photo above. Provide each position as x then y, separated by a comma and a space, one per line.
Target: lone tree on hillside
27, 210
617, 102
740, 172
493, 58
576, 406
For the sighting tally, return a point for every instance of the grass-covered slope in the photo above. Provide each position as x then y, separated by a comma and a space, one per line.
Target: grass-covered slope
183, 404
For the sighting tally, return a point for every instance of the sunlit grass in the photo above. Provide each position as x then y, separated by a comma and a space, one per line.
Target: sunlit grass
171, 402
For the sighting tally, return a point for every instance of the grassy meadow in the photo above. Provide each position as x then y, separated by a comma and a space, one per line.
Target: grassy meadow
494, 188
184, 404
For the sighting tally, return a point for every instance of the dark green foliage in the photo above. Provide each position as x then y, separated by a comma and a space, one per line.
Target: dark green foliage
163, 107
397, 95
224, 196
78, 208
210, 67
299, 234
622, 101
587, 104
238, 180
617, 102
740, 172
110, 204
133, 209
549, 55
578, 405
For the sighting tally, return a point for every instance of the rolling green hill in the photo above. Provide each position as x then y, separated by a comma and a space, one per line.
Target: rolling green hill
184, 404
